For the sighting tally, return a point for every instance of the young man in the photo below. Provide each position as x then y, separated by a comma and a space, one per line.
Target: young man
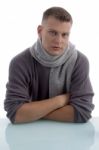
50, 80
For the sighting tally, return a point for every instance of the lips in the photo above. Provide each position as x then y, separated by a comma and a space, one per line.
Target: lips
56, 47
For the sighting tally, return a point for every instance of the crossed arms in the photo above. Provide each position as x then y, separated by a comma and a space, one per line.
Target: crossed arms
55, 108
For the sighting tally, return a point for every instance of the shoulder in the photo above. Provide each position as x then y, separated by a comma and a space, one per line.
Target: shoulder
82, 58
81, 68
82, 62
22, 59
23, 56
21, 66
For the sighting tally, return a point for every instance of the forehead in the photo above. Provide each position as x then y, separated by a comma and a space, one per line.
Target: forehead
55, 24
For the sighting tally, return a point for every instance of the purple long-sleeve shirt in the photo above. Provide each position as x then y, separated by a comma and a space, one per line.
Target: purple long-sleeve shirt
29, 81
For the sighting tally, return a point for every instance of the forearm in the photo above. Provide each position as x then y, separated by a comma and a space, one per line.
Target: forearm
64, 114
35, 110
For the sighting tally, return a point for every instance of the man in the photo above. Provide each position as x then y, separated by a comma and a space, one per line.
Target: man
50, 80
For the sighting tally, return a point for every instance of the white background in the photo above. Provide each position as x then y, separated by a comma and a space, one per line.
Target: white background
19, 20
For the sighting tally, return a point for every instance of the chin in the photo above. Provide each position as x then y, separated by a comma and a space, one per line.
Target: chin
56, 53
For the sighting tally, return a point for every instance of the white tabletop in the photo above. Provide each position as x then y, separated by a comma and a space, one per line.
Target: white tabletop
49, 135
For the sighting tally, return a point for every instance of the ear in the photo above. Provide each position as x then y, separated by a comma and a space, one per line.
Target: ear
39, 30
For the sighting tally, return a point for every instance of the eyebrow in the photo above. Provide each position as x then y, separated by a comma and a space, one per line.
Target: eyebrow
65, 33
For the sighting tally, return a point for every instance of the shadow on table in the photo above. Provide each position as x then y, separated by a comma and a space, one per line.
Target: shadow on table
50, 135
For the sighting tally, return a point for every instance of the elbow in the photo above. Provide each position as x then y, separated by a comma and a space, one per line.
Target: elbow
82, 117
84, 120
11, 119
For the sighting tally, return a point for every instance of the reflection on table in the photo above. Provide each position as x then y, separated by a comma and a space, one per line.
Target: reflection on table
50, 135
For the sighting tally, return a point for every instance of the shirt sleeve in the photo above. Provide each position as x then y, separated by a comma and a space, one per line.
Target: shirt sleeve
81, 90
17, 92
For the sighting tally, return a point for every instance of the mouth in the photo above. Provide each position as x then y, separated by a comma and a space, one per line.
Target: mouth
56, 48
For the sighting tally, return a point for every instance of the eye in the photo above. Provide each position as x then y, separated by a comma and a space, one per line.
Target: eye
65, 35
52, 33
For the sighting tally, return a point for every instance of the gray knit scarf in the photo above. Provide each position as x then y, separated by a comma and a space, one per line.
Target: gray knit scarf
61, 66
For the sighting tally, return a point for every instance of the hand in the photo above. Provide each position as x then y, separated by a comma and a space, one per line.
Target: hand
63, 99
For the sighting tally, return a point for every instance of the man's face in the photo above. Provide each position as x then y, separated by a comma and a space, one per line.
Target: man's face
54, 35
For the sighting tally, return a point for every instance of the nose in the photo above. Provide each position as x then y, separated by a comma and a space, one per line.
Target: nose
58, 38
